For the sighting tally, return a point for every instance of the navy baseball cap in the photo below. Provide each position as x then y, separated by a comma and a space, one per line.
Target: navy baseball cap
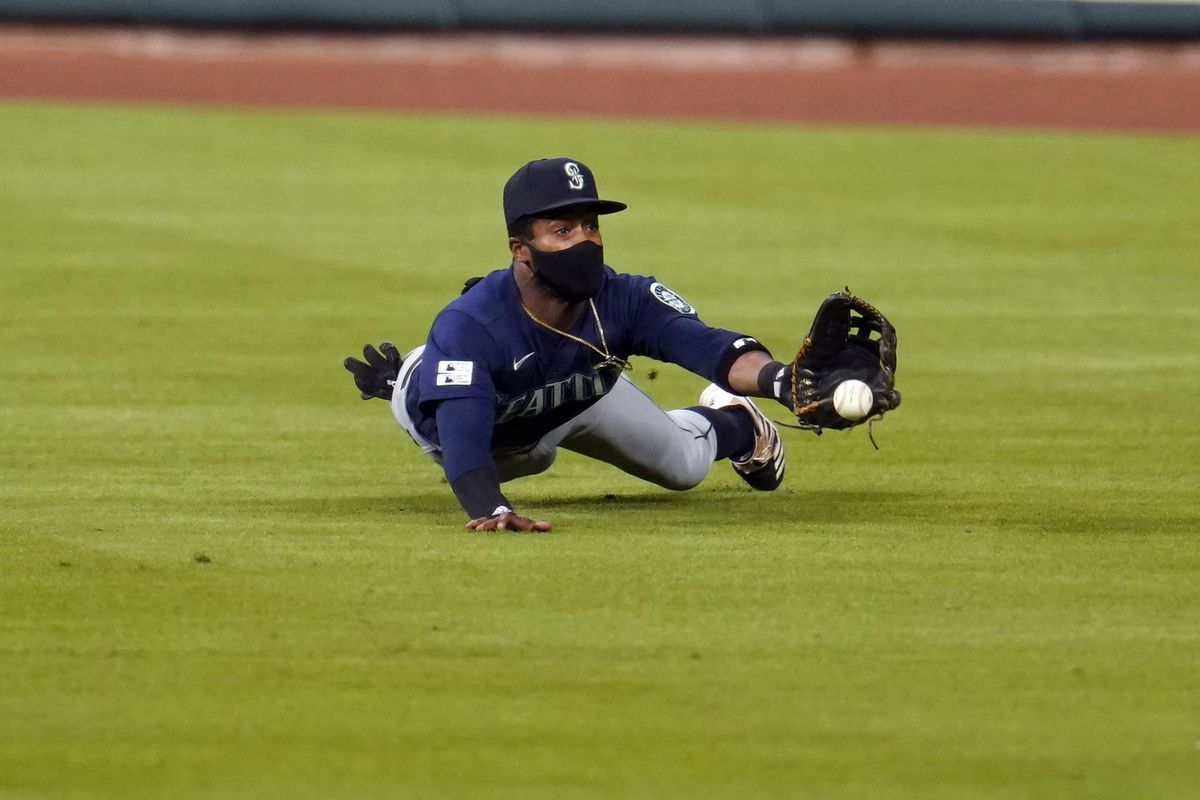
550, 183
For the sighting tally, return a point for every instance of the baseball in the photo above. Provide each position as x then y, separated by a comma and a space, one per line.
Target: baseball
852, 399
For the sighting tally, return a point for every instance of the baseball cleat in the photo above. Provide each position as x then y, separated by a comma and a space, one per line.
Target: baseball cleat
763, 468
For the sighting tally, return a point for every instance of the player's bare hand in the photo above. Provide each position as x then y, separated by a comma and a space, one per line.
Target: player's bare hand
509, 521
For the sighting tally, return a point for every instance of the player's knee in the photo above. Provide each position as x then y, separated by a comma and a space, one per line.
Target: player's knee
681, 480
521, 465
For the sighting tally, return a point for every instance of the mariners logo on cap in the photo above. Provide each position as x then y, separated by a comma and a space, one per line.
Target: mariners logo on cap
574, 175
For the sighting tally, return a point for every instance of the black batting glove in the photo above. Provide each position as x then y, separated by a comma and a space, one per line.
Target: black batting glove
377, 377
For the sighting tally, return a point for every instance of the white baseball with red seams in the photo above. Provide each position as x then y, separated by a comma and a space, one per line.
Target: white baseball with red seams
852, 399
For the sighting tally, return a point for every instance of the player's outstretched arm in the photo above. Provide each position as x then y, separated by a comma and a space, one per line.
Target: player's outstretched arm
743, 374
508, 521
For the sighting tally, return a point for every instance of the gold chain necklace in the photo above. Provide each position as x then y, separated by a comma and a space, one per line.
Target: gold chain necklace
609, 359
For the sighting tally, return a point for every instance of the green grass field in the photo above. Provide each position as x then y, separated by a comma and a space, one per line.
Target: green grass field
223, 575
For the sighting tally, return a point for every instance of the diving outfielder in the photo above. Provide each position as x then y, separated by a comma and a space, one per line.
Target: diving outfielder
532, 357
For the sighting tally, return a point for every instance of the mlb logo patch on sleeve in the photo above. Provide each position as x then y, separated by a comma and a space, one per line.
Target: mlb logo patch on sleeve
455, 373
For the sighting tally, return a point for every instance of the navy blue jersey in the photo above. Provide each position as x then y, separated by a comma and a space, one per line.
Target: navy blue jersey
483, 346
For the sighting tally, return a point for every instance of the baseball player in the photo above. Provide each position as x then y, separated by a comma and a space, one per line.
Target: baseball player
533, 357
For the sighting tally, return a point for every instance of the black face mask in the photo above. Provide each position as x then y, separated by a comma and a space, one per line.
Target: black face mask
574, 274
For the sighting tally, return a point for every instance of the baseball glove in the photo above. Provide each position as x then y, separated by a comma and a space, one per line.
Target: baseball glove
849, 339
377, 376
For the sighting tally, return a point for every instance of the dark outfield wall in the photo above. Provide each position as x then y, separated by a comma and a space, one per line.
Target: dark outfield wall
1057, 19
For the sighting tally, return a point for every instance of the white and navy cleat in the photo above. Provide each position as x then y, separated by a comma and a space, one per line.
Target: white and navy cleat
763, 468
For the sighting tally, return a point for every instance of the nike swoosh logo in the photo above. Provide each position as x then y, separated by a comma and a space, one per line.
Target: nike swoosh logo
517, 362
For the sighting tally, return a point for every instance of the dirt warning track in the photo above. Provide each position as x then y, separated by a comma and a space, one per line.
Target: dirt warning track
1135, 87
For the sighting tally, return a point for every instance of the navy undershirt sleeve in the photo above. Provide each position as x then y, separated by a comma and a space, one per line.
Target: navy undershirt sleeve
478, 491
465, 431
465, 425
